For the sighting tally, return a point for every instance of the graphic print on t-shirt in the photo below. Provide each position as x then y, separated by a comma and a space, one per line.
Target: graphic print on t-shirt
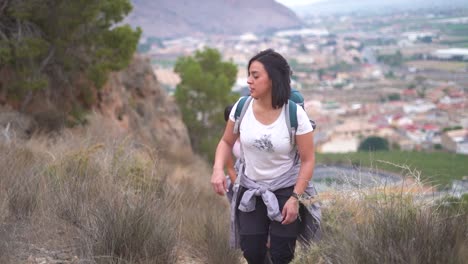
264, 143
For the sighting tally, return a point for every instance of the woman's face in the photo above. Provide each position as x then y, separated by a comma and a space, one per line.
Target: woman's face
259, 82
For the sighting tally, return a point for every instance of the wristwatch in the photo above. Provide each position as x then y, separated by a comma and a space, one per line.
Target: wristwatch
297, 196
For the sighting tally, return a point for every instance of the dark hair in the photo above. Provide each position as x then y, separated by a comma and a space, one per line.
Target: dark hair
227, 111
280, 75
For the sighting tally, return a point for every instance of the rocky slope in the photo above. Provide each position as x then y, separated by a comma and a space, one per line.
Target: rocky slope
131, 103
135, 102
176, 18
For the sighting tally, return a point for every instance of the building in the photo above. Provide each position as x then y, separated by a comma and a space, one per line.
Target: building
419, 36
419, 106
356, 128
455, 141
339, 145
451, 54
304, 32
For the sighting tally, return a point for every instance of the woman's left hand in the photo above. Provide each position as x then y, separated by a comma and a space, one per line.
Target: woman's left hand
290, 211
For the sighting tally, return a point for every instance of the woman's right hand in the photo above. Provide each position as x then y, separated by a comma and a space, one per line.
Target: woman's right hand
218, 181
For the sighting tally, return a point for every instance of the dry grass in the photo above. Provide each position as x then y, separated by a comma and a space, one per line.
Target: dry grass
122, 219
20, 183
390, 225
109, 198
205, 216
114, 200
5, 251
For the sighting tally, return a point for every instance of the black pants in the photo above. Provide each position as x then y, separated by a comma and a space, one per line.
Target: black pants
255, 228
255, 250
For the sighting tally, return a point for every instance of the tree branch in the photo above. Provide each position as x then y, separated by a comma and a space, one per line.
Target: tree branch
3, 5
18, 30
26, 101
3, 35
46, 61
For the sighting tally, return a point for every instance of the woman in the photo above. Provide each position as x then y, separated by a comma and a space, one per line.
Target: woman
270, 170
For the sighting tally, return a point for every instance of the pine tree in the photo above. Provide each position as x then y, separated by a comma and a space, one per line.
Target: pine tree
202, 95
62, 50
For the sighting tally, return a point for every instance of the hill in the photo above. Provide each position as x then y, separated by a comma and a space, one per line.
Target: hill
176, 18
131, 103
371, 6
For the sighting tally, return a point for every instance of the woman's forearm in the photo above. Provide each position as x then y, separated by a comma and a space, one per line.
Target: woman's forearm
221, 155
230, 169
305, 175
305, 144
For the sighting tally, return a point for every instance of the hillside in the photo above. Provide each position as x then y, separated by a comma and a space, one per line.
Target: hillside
131, 103
176, 18
370, 6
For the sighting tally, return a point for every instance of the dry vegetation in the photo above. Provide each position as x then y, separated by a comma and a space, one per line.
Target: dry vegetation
109, 199
386, 225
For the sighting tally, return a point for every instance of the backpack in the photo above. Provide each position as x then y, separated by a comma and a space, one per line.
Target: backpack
295, 99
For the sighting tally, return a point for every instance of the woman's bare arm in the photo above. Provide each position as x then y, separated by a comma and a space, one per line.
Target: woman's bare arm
305, 146
223, 153
230, 169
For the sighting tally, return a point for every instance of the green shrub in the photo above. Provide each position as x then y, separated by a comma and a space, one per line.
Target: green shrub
374, 144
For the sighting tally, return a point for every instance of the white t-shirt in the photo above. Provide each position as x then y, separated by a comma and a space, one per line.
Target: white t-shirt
267, 150
236, 149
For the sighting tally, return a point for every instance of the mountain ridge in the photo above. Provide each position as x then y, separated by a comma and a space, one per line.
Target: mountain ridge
177, 18
338, 7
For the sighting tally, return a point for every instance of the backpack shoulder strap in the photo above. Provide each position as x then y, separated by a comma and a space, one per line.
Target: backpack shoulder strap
291, 121
241, 108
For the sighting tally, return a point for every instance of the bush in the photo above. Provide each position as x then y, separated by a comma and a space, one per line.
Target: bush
113, 218
373, 144
76, 182
389, 228
453, 205
20, 184
205, 217
138, 231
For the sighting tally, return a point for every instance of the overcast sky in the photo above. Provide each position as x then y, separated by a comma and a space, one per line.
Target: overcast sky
291, 3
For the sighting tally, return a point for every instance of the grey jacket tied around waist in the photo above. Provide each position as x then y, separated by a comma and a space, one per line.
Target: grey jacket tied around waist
310, 219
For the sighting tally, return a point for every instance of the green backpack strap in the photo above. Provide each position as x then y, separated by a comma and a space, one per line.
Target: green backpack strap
241, 108
291, 121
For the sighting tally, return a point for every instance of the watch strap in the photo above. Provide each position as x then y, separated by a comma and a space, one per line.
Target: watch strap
296, 195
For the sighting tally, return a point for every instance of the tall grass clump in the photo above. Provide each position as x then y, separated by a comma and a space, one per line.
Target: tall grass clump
116, 205
109, 199
20, 181
205, 219
76, 181
119, 203
4, 245
380, 226
129, 230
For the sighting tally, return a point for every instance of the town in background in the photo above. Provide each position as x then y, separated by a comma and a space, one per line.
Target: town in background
402, 76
